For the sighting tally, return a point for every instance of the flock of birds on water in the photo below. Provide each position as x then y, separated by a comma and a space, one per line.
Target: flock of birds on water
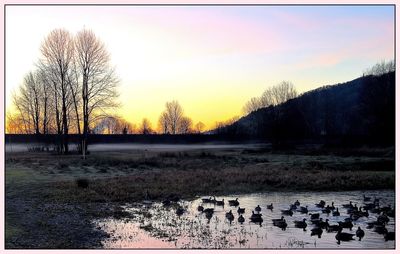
354, 212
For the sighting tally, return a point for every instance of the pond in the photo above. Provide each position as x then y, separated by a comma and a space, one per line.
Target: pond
157, 226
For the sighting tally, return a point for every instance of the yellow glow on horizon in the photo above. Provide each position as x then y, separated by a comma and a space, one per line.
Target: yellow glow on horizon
212, 60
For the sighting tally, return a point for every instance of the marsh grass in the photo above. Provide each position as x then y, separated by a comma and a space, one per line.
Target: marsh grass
114, 179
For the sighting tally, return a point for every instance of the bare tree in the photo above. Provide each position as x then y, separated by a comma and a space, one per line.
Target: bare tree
163, 123
380, 68
283, 92
74, 86
58, 55
45, 100
99, 83
127, 127
50, 82
199, 127
266, 99
175, 113
15, 124
28, 103
272, 96
185, 125
145, 127
252, 105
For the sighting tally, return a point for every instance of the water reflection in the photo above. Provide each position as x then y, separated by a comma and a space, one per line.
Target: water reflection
157, 226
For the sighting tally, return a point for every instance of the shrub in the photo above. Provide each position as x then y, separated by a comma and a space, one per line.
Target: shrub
82, 183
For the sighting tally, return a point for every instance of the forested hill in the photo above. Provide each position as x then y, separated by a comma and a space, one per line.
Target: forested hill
361, 109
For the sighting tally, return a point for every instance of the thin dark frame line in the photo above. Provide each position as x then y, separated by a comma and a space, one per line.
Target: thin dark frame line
187, 4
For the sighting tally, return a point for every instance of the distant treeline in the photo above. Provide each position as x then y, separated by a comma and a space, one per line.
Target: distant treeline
129, 138
359, 111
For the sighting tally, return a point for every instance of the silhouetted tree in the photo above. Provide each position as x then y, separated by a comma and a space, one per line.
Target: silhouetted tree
174, 114
272, 96
98, 79
283, 92
113, 125
380, 68
252, 105
164, 123
145, 127
199, 127
58, 55
185, 125
15, 124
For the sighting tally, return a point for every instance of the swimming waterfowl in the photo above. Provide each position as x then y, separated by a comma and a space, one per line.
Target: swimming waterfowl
208, 210
332, 228
352, 209
234, 202
209, 215
179, 211
346, 224
281, 224
316, 231
326, 210
207, 200
363, 213
321, 204
314, 216
220, 202
230, 216
300, 224
287, 212
256, 217
349, 205
277, 220
297, 203
320, 223
270, 207
383, 218
240, 210
341, 236
316, 221
258, 208
323, 224
336, 213
293, 207
360, 233
303, 209
241, 219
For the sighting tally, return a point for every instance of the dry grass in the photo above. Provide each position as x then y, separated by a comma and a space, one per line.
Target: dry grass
130, 177
44, 191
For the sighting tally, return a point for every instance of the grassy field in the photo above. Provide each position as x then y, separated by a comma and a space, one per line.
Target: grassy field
46, 208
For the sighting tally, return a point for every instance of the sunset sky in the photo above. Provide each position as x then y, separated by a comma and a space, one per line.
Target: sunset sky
212, 59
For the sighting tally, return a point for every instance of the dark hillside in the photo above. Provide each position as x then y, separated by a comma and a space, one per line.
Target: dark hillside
358, 111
